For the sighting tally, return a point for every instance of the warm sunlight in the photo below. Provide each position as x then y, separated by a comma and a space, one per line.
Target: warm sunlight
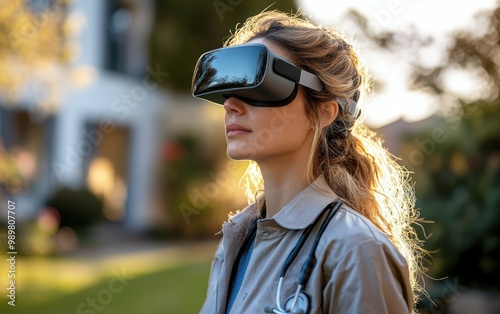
395, 101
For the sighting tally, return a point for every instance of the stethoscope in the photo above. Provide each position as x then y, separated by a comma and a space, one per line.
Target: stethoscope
300, 302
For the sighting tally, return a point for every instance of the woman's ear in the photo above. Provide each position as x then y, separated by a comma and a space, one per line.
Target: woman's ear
330, 110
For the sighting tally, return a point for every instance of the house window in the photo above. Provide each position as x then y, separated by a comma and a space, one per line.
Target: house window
127, 30
23, 147
118, 23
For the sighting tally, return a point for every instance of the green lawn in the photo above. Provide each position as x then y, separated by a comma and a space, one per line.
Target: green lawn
163, 278
174, 290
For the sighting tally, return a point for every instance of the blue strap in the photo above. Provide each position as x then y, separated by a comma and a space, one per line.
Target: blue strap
241, 267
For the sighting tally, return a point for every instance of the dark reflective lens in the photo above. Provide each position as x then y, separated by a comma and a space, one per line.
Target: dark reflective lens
226, 69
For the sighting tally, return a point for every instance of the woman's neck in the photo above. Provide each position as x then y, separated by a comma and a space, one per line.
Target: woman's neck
282, 182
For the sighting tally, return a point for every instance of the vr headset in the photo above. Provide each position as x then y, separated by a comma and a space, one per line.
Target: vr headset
253, 74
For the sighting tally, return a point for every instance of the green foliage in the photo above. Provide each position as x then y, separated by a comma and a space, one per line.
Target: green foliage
36, 48
458, 175
458, 188
185, 162
183, 30
458, 183
198, 181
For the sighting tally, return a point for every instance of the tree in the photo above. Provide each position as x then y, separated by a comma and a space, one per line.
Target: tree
35, 46
460, 186
458, 181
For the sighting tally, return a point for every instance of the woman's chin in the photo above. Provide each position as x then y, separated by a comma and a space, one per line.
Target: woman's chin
240, 151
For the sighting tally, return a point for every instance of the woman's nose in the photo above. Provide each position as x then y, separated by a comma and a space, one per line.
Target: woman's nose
234, 106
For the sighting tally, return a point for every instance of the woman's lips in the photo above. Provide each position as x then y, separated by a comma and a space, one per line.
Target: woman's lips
233, 130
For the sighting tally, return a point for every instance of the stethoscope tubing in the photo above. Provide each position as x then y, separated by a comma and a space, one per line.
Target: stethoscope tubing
310, 262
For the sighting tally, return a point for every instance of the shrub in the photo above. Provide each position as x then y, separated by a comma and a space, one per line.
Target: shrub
77, 208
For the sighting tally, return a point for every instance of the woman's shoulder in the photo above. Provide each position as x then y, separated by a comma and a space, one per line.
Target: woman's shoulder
355, 226
350, 233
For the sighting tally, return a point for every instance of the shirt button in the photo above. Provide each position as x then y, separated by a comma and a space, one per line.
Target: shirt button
265, 233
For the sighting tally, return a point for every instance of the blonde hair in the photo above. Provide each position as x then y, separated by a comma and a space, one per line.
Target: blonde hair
350, 156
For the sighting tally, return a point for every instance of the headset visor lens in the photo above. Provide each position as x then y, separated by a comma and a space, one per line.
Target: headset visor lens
229, 68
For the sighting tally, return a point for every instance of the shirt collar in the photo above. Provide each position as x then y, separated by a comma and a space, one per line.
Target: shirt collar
304, 208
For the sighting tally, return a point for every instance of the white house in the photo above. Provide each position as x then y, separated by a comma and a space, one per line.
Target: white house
105, 136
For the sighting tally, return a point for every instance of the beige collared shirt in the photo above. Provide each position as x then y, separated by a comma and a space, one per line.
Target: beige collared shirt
358, 270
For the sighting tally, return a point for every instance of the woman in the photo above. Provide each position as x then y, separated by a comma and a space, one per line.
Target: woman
331, 232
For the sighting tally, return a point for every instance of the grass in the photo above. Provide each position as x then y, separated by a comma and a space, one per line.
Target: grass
177, 290
171, 279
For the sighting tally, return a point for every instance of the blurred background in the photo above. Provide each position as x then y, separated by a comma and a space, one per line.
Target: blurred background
119, 180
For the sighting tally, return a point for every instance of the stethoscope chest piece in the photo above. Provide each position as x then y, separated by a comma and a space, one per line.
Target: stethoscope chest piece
301, 306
